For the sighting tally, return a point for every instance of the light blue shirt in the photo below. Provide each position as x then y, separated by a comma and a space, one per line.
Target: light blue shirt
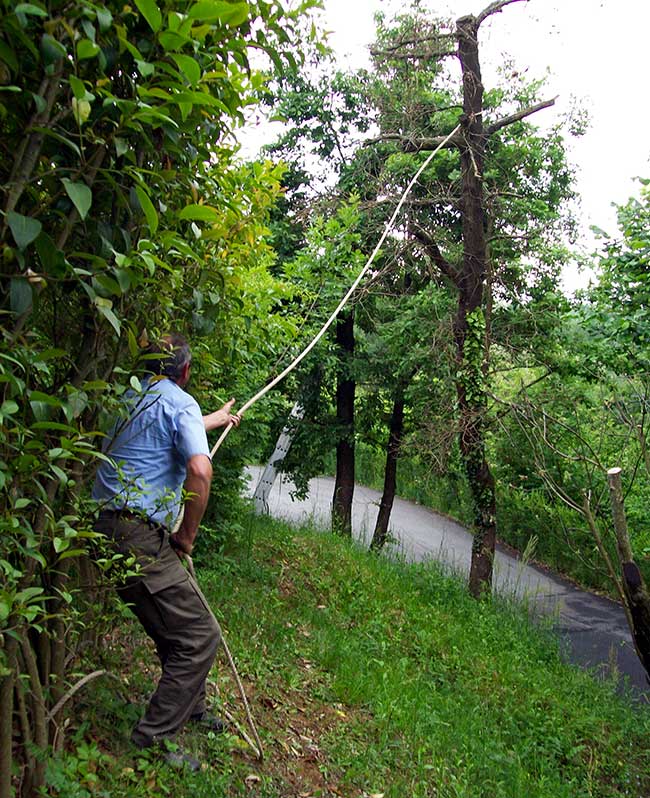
148, 449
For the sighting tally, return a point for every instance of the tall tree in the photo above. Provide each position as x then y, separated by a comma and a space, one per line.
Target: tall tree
465, 209
483, 216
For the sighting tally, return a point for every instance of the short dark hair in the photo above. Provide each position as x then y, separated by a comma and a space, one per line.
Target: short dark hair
168, 356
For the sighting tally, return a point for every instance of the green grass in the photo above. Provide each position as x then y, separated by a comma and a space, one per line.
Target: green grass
370, 677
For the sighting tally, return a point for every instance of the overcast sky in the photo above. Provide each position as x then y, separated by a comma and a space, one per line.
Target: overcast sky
597, 52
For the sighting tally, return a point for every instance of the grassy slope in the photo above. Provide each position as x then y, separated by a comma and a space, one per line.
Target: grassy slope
369, 677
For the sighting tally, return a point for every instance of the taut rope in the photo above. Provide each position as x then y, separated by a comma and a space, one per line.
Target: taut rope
257, 746
344, 301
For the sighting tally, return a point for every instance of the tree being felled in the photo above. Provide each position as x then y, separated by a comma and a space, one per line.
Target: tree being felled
462, 225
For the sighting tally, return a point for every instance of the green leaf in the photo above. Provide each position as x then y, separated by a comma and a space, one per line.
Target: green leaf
173, 41
23, 228
8, 407
147, 208
199, 213
52, 425
107, 285
47, 132
123, 277
89, 30
52, 259
77, 86
20, 295
121, 146
31, 9
29, 593
39, 102
71, 553
81, 110
47, 398
151, 13
21, 503
134, 349
108, 314
104, 18
60, 544
8, 56
80, 194
219, 11
189, 67
145, 68
86, 49
52, 50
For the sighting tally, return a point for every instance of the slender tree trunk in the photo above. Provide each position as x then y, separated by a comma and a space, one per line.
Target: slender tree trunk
345, 391
6, 718
390, 473
469, 327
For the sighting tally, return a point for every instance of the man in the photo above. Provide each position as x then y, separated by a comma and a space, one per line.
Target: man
159, 451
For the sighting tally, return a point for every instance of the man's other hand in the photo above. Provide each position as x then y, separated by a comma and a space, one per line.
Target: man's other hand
222, 417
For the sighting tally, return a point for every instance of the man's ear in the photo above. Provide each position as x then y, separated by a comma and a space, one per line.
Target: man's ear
185, 375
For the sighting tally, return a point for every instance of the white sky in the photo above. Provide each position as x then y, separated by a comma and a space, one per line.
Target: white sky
597, 52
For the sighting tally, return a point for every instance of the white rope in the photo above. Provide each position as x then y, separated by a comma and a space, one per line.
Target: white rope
343, 302
257, 744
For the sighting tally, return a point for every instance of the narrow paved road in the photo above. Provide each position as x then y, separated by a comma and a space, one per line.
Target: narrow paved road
594, 628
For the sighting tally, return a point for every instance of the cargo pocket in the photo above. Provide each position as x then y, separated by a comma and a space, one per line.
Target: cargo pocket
180, 603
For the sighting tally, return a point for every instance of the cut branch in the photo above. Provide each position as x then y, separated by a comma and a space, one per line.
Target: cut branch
432, 249
518, 115
412, 144
495, 8
435, 37
422, 54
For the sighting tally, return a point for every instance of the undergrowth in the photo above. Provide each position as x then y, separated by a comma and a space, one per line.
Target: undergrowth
367, 677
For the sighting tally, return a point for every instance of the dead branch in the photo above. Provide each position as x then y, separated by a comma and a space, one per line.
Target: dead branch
75, 689
432, 249
495, 8
518, 115
415, 54
412, 144
434, 37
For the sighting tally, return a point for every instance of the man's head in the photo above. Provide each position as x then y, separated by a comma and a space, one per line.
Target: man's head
170, 356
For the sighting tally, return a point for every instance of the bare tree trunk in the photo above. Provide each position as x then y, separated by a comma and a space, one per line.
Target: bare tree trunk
390, 473
345, 391
472, 339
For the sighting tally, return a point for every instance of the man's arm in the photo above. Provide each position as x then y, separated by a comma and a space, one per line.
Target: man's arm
197, 486
221, 417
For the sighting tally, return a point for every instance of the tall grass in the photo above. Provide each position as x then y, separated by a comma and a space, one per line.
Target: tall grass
370, 676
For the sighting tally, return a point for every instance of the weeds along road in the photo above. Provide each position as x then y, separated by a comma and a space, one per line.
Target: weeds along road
593, 628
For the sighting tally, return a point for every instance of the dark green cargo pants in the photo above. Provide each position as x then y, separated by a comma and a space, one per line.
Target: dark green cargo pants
175, 615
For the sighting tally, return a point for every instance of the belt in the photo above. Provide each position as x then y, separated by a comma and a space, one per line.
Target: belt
123, 512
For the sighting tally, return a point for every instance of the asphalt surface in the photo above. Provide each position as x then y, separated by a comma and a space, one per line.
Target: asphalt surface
593, 629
